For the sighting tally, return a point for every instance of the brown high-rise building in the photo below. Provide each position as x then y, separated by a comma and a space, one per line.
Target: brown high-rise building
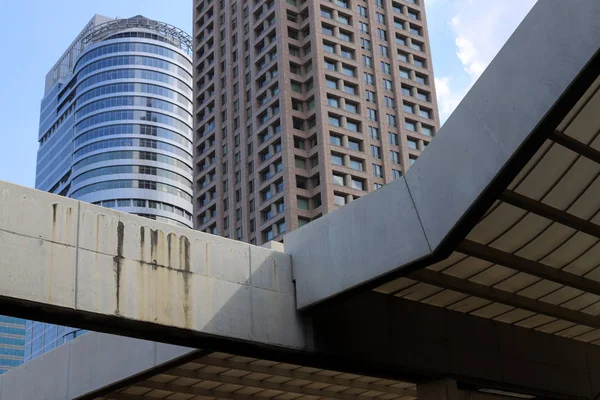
302, 106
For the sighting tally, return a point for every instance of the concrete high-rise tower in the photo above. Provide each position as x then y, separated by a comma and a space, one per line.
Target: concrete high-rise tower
116, 129
302, 106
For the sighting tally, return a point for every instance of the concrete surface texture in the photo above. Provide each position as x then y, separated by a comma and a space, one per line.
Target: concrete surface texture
89, 261
419, 211
84, 365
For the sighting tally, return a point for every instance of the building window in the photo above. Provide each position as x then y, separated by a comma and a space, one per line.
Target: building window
395, 157
393, 138
374, 132
353, 145
302, 203
383, 50
376, 151
338, 180
411, 126
334, 121
372, 114
427, 130
396, 174
358, 184
412, 144
356, 164
337, 159
391, 120
386, 67
351, 107
370, 96
339, 200
377, 171
365, 44
422, 79
387, 84
335, 140
331, 83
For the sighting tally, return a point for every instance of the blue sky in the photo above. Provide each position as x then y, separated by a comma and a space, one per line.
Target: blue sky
465, 36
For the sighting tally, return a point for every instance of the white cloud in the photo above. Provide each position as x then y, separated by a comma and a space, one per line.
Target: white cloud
480, 29
448, 98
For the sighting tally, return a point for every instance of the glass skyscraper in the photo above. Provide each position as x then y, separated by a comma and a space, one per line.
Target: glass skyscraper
116, 130
12, 342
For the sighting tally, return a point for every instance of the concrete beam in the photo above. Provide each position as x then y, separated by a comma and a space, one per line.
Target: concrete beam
518, 101
66, 260
87, 364
425, 343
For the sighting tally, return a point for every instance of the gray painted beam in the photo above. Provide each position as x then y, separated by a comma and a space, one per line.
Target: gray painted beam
470, 288
576, 146
531, 267
549, 212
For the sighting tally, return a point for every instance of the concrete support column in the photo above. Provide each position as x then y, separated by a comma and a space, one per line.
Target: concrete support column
337, 48
345, 139
417, 108
338, 66
444, 389
342, 103
412, 74
418, 126
343, 119
348, 180
346, 160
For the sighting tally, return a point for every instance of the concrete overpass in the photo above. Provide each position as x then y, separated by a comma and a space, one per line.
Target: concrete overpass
482, 273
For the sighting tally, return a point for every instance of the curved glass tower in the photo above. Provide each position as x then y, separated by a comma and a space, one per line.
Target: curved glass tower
116, 129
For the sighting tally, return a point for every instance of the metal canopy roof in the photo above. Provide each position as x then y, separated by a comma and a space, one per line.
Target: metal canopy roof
230, 377
533, 260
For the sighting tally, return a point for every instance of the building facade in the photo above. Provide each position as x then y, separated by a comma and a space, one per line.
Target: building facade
302, 106
116, 129
12, 342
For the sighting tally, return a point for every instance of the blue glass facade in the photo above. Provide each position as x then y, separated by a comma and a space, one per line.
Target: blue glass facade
116, 130
12, 342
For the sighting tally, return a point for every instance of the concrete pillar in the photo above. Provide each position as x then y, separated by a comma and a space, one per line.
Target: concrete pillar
345, 138
348, 180
444, 389
346, 160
